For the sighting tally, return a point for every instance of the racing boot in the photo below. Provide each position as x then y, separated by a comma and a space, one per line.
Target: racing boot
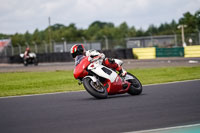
121, 71
119, 68
122, 74
116, 65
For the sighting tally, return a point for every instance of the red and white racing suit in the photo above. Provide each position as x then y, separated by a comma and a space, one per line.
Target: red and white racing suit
108, 62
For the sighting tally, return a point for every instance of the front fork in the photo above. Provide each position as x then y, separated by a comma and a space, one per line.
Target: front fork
96, 81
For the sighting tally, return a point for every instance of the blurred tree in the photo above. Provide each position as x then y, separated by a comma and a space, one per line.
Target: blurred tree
18, 39
173, 25
123, 30
36, 37
197, 16
101, 24
166, 29
132, 32
152, 30
97, 30
140, 32
57, 27
93, 31
4, 36
191, 22
27, 37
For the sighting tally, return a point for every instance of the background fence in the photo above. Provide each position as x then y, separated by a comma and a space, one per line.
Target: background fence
131, 53
166, 41
127, 48
66, 56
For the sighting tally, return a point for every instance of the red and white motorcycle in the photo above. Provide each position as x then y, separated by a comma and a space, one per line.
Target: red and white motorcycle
101, 81
32, 59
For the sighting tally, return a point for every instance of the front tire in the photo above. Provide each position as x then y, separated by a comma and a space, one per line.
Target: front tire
136, 86
90, 88
25, 62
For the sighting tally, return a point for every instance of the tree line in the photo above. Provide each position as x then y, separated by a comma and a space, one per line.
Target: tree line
99, 30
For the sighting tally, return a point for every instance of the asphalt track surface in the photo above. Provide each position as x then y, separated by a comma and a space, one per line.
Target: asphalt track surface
159, 106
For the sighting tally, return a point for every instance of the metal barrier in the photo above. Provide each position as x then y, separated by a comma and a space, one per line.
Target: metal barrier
66, 56
170, 52
192, 51
144, 53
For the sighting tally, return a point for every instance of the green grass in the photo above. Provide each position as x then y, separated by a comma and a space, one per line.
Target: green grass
24, 83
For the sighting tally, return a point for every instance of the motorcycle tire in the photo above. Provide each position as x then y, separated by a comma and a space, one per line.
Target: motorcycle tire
87, 83
25, 63
35, 61
136, 86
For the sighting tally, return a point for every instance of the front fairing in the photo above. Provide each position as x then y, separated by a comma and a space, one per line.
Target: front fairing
102, 71
80, 69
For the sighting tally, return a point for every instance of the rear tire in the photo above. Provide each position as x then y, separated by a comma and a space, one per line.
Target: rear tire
87, 83
35, 61
136, 86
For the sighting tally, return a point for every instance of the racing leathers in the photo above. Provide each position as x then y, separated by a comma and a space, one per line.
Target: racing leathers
26, 54
108, 62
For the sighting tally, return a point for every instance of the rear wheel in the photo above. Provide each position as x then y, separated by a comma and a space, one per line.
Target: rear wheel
98, 91
136, 86
35, 61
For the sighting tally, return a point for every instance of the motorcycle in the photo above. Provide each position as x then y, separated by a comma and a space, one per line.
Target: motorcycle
101, 81
32, 59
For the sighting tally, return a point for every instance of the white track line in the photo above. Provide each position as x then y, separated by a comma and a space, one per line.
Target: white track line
163, 129
84, 90
173, 82
42, 94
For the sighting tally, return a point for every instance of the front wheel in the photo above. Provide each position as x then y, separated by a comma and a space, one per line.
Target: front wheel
25, 62
95, 90
136, 86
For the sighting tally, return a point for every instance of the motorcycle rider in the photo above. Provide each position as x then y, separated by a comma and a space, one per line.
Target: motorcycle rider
26, 53
78, 53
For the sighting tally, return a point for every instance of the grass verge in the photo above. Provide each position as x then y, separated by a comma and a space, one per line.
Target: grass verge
25, 83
